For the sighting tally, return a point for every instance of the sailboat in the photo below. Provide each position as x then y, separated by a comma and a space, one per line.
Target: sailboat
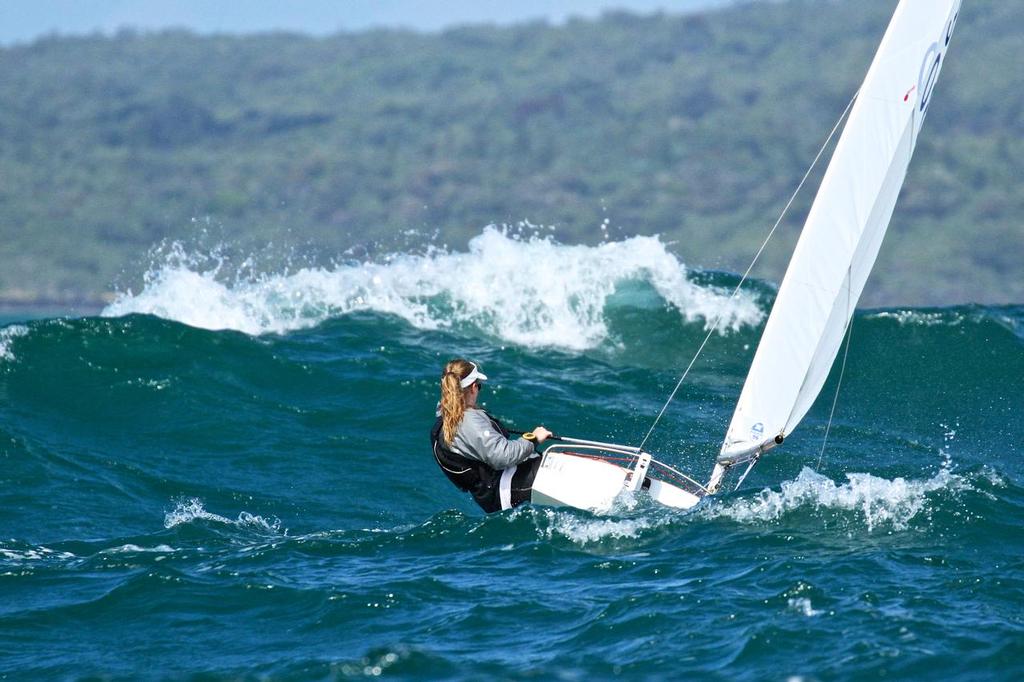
812, 312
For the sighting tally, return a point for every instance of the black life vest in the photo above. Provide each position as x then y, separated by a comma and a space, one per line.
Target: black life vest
469, 475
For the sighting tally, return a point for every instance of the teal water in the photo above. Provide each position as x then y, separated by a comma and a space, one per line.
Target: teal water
231, 479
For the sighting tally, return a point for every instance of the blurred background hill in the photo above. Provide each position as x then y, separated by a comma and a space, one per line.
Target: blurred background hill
312, 149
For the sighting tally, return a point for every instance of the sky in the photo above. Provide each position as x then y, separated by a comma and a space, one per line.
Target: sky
22, 21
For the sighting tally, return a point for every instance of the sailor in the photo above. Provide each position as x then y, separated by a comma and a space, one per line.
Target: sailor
473, 448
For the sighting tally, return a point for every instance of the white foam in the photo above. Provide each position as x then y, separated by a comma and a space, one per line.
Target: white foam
527, 291
921, 318
803, 606
878, 500
136, 549
584, 530
33, 554
187, 511
7, 336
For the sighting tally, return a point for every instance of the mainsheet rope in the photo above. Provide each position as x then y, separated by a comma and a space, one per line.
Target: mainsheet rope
746, 274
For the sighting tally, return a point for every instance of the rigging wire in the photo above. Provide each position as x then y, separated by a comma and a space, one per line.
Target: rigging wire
842, 368
835, 399
746, 274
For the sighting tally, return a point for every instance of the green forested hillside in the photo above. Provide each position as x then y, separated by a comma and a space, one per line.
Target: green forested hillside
695, 127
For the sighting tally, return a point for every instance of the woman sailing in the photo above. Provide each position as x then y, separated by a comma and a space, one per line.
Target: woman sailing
473, 448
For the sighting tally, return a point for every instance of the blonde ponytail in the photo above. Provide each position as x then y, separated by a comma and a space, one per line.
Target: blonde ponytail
453, 399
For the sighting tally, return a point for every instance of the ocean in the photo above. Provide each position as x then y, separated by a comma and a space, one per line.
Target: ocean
228, 476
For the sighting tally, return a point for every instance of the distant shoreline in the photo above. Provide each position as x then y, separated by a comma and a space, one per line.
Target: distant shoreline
291, 151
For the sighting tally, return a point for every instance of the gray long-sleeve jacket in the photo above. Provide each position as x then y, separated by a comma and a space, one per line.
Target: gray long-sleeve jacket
477, 439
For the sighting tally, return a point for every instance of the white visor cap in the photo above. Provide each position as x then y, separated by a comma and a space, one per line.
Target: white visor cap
474, 376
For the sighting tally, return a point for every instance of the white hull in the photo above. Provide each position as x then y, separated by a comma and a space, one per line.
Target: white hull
567, 479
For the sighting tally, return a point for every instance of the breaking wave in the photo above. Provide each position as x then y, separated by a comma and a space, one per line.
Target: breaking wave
7, 336
530, 291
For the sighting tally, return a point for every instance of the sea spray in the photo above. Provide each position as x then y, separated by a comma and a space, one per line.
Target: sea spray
878, 501
532, 292
7, 337
191, 510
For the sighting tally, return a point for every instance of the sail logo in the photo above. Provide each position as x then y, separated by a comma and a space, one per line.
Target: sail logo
756, 431
933, 62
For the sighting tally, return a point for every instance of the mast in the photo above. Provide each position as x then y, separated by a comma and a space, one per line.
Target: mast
842, 235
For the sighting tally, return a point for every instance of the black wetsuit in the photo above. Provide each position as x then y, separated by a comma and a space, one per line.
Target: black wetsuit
481, 480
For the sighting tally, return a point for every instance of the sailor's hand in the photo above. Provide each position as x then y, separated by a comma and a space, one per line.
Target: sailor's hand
540, 434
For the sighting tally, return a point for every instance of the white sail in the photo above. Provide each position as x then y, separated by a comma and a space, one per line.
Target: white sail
844, 230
